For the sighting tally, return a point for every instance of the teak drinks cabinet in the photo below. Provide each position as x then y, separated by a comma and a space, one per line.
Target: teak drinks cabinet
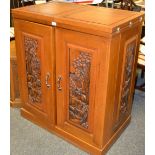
77, 67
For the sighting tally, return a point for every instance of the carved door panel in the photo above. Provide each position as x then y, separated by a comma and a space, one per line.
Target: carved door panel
35, 57
77, 71
126, 80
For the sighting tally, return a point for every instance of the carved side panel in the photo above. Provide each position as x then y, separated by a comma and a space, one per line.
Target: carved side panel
127, 75
33, 70
79, 83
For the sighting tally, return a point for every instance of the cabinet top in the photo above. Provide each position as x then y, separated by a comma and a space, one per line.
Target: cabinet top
79, 17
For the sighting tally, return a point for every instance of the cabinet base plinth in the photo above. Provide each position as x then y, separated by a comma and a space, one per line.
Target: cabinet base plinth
93, 150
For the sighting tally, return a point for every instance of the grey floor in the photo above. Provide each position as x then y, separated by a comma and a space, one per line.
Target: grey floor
29, 139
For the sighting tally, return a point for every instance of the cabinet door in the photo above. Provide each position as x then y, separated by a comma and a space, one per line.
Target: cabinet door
34, 44
79, 57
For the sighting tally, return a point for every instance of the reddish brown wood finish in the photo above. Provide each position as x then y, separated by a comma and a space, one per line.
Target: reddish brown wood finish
36, 62
69, 44
15, 100
91, 55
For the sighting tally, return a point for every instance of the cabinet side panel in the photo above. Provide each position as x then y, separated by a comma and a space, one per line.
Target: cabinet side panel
123, 50
129, 48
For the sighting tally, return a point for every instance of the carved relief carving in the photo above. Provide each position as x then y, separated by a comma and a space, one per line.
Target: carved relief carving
79, 89
32, 69
127, 77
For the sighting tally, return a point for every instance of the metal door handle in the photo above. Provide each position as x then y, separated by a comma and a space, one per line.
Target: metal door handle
46, 80
59, 83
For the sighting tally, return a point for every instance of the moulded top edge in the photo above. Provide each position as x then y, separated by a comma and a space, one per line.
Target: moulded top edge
75, 15
45, 10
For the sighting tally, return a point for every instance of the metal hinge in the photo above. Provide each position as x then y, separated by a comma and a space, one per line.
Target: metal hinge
53, 23
118, 30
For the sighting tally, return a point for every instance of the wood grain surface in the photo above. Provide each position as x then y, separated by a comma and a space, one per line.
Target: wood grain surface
77, 76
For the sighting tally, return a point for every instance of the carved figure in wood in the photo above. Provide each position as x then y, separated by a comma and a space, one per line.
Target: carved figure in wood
127, 77
79, 89
32, 69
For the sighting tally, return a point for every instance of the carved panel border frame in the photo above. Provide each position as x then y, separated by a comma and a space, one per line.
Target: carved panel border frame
33, 69
34, 85
88, 108
127, 77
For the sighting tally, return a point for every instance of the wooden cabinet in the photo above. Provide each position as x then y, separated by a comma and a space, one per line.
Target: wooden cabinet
77, 70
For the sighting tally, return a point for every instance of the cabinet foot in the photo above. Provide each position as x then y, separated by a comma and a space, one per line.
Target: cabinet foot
16, 103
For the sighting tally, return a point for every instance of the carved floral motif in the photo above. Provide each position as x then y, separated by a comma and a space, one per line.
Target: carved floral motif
79, 89
32, 69
127, 77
